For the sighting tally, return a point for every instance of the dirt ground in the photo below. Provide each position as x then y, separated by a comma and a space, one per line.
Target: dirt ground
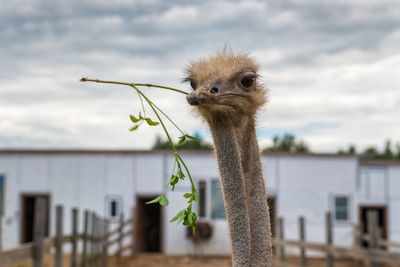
160, 260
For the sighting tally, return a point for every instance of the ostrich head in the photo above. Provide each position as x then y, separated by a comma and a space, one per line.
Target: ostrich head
225, 87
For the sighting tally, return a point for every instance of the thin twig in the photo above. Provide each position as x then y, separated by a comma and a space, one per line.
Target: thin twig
134, 84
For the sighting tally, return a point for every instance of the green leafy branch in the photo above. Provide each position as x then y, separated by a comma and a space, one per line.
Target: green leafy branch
180, 168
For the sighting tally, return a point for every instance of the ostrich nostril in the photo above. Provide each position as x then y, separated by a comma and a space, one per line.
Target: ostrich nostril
214, 90
192, 99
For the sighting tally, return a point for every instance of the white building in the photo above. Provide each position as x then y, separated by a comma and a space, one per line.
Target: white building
111, 182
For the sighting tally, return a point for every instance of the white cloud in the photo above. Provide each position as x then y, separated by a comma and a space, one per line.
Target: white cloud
332, 68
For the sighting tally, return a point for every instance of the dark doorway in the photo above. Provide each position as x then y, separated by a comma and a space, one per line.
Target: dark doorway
28, 202
148, 225
382, 221
272, 214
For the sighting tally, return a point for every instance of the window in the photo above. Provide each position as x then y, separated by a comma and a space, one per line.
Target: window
341, 208
2, 191
113, 207
202, 198
211, 202
217, 202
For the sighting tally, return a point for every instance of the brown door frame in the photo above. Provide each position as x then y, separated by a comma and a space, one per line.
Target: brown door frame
139, 234
23, 210
385, 232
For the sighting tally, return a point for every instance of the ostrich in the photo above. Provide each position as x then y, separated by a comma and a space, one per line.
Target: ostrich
227, 94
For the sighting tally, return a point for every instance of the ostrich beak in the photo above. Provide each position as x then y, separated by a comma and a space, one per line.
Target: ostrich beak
193, 99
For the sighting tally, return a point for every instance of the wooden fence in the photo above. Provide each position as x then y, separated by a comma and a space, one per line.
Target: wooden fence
375, 254
96, 240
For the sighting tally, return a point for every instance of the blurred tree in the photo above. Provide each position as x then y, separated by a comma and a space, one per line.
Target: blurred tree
398, 150
287, 143
350, 150
387, 152
197, 144
372, 153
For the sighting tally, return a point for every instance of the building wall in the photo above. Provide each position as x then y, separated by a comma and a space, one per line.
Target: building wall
82, 181
379, 185
306, 186
202, 167
394, 207
303, 185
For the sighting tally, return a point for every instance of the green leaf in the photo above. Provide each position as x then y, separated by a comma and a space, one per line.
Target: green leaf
173, 181
194, 223
134, 119
190, 137
195, 197
134, 128
164, 201
156, 200
186, 221
190, 218
180, 174
187, 195
150, 122
178, 216
181, 140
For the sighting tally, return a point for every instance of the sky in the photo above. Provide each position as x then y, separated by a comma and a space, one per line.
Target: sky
332, 68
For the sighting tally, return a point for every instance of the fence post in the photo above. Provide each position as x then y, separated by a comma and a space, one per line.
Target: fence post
120, 237
105, 243
302, 233
1, 223
74, 238
98, 243
38, 233
85, 238
1, 220
59, 236
281, 237
329, 239
92, 239
372, 218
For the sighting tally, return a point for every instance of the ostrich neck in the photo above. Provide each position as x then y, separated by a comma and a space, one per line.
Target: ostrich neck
256, 197
232, 183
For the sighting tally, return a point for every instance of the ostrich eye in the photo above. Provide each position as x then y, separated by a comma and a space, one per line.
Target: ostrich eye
193, 84
247, 82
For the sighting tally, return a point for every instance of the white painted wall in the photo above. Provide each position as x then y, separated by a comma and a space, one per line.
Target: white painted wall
202, 167
305, 186
380, 185
75, 180
394, 207
302, 185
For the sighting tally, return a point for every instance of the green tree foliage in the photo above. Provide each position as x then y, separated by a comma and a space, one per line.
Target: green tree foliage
195, 144
287, 143
350, 150
389, 152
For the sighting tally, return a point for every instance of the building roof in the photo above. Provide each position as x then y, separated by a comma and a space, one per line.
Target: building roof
79, 151
166, 151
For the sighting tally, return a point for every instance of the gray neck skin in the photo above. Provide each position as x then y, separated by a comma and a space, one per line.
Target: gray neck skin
232, 183
256, 197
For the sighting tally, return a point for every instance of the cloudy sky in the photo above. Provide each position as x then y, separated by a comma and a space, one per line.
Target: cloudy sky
332, 67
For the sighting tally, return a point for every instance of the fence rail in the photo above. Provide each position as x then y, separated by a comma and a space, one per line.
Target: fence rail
372, 255
96, 240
